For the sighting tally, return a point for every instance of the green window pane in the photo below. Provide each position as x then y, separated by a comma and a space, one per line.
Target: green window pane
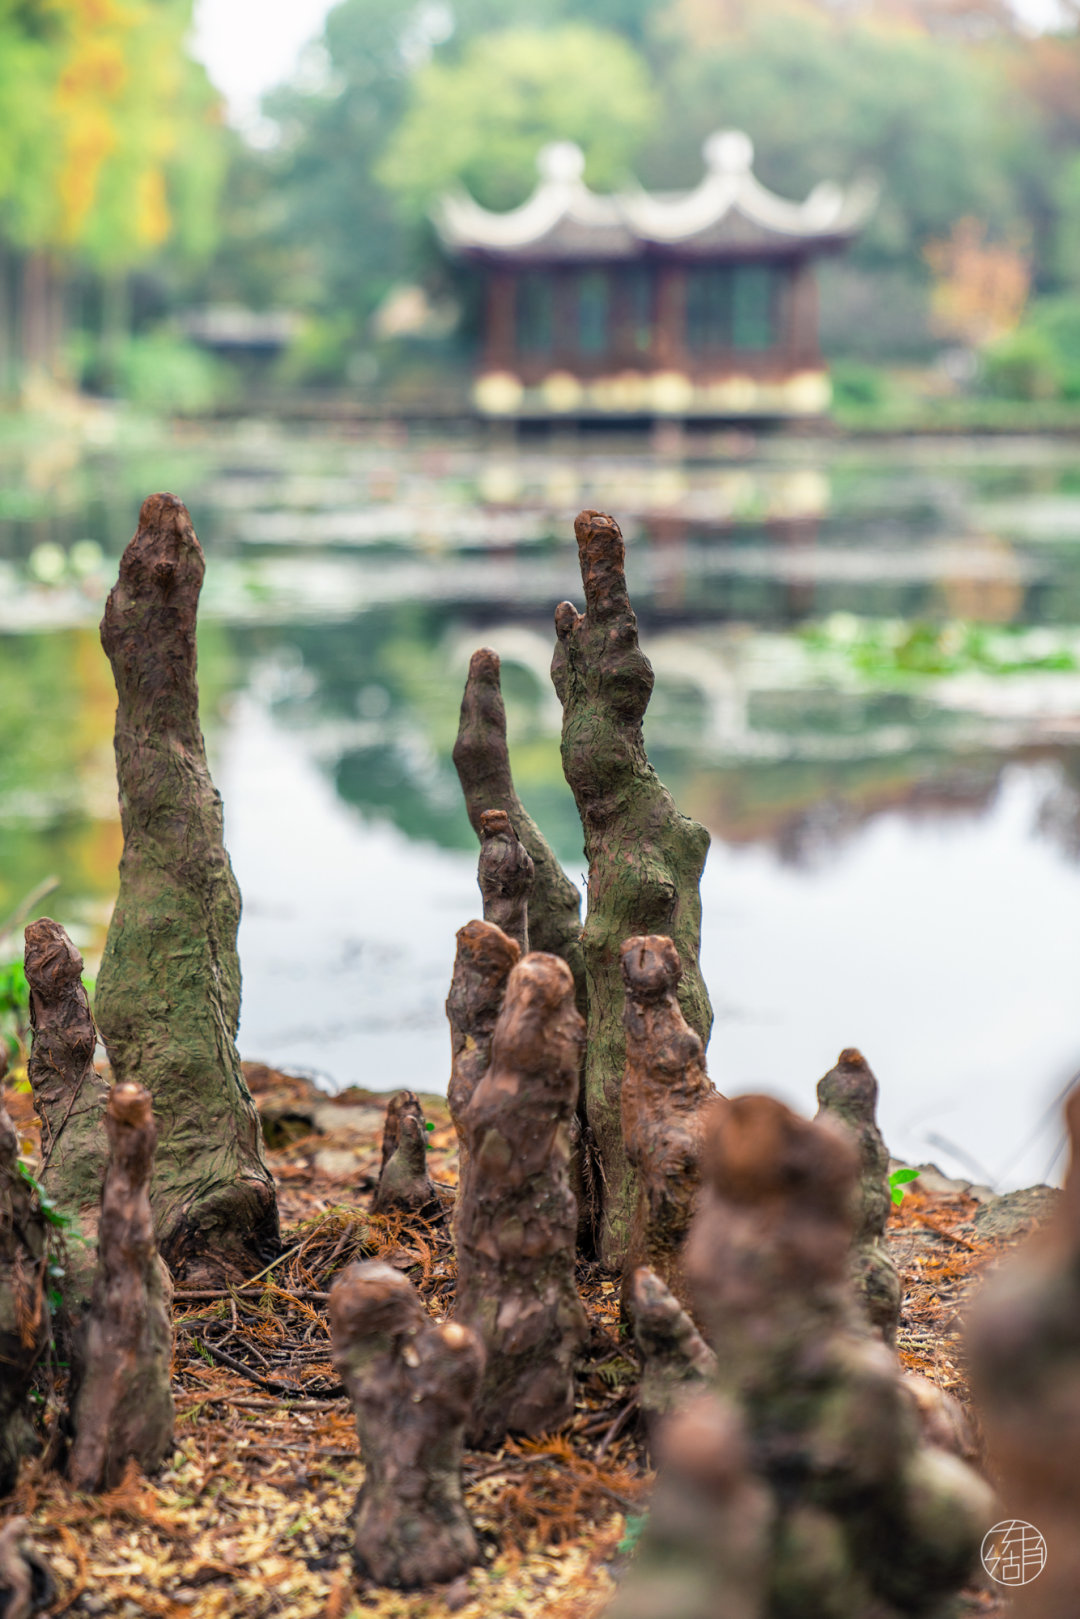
593, 312
533, 310
708, 307
753, 307
639, 307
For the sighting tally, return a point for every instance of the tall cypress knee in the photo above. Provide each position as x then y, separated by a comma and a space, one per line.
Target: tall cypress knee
124, 1405
645, 858
69, 1098
516, 1215
675, 1359
666, 1095
505, 876
24, 1311
411, 1384
481, 968
483, 766
168, 993
849, 1093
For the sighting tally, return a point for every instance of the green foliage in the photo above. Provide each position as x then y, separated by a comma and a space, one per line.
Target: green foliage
1020, 366
481, 119
856, 386
632, 1532
886, 648
170, 375
898, 1180
14, 1008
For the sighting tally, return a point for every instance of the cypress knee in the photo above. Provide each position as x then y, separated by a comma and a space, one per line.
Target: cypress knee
124, 1407
849, 1093
412, 1385
516, 1216
675, 1359
168, 993
24, 1311
666, 1095
404, 1182
645, 858
505, 877
26, 1583
481, 968
867, 1518
69, 1098
483, 766
1023, 1342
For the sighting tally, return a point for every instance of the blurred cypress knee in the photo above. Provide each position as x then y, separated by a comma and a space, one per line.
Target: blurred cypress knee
1023, 1341
24, 1312
123, 1407
676, 1360
849, 1094
404, 1182
666, 1095
69, 1098
168, 993
868, 1519
483, 766
412, 1385
516, 1215
481, 968
704, 1550
26, 1583
505, 877
645, 859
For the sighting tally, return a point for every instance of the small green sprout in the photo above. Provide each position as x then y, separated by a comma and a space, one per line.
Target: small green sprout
898, 1180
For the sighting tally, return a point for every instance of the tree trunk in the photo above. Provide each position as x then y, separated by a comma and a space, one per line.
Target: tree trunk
168, 993
676, 1360
69, 1098
404, 1182
666, 1095
516, 1217
505, 877
849, 1093
124, 1406
483, 766
412, 1386
24, 1310
645, 859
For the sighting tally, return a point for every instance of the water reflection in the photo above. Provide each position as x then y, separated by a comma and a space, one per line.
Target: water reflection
868, 687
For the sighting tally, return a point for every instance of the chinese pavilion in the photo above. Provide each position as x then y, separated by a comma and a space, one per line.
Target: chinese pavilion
690, 304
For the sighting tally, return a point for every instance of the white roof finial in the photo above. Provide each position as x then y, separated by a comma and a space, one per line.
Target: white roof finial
728, 151
561, 162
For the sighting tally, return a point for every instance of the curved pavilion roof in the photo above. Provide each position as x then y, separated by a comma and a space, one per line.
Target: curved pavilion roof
728, 215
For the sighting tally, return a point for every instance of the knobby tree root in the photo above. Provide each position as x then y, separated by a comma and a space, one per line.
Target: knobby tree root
506, 874
481, 968
412, 1386
645, 858
483, 766
676, 1360
849, 1093
666, 1096
870, 1519
123, 1408
516, 1216
24, 1309
69, 1098
404, 1182
26, 1583
1023, 1342
168, 993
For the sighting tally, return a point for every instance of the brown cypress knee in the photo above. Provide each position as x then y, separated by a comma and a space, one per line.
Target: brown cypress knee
1023, 1342
849, 1094
404, 1182
481, 968
645, 858
666, 1095
168, 993
412, 1385
26, 1583
505, 876
124, 1407
516, 1216
69, 1098
482, 760
675, 1359
24, 1311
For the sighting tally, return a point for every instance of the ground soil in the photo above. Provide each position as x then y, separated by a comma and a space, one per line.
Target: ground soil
251, 1514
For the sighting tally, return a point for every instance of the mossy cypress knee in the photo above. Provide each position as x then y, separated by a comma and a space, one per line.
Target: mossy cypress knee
168, 993
481, 968
645, 858
24, 1312
505, 876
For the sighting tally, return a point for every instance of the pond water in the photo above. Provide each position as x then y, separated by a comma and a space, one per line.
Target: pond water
868, 688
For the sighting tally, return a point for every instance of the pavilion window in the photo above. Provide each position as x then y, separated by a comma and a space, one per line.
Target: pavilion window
534, 312
753, 306
708, 307
639, 307
592, 310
